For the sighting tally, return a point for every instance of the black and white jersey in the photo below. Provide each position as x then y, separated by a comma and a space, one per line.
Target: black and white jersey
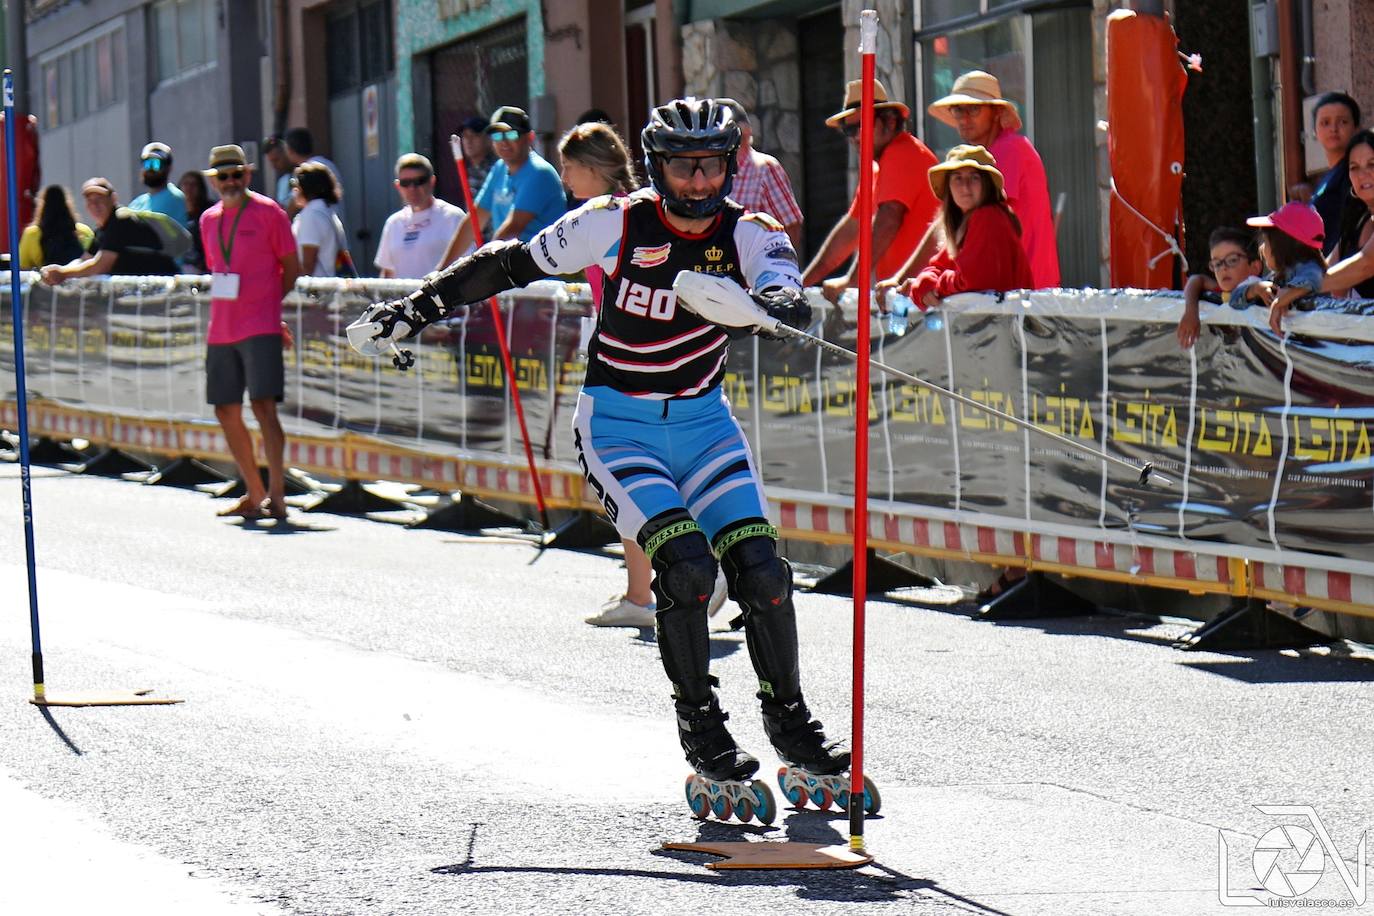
645, 345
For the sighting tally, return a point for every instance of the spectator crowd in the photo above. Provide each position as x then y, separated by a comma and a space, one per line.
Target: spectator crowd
978, 220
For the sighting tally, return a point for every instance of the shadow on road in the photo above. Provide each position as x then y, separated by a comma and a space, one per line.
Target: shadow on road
57, 730
874, 883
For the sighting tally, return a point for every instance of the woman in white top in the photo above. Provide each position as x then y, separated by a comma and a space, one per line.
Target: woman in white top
319, 234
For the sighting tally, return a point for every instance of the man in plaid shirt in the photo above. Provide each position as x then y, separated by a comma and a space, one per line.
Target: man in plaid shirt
761, 184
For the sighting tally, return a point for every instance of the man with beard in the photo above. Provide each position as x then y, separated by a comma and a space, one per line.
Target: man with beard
162, 195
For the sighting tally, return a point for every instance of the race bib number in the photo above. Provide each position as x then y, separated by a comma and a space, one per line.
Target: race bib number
224, 286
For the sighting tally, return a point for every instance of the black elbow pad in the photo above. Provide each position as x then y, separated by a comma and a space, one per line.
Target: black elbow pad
488, 271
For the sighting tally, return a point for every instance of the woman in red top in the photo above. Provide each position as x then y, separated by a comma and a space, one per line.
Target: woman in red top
982, 237
982, 251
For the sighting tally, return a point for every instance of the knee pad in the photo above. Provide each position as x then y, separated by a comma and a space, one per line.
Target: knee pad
758, 578
684, 574
761, 581
684, 567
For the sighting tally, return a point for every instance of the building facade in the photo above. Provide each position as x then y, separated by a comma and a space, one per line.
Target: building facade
107, 76
375, 78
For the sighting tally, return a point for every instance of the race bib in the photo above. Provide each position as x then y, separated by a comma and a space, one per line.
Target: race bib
224, 286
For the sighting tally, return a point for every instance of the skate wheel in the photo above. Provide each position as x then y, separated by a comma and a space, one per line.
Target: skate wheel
795, 794
765, 808
842, 800
872, 800
821, 797
721, 807
744, 810
701, 808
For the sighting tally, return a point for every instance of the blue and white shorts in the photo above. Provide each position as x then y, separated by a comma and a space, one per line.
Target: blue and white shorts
645, 457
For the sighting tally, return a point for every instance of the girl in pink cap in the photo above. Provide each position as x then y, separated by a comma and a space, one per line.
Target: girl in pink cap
1291, 244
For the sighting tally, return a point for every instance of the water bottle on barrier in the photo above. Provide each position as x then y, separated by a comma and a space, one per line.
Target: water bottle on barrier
897, 318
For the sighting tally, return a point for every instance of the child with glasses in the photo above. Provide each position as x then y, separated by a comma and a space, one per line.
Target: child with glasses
1236, 271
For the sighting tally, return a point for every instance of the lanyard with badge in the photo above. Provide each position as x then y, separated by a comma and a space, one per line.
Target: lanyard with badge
226, 285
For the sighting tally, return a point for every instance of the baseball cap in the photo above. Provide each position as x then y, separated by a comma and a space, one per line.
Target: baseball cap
476, 123
1299, 221
508, 117
97, 186
156, 150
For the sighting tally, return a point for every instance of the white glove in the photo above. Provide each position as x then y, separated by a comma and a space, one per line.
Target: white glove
381, 325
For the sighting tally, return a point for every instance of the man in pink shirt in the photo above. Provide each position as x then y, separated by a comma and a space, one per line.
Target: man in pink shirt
252, 255
983, 118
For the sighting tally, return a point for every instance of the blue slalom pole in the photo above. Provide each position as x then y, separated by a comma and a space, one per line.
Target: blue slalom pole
20, 380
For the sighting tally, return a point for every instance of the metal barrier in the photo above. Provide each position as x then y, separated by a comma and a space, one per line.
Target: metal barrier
1267, 438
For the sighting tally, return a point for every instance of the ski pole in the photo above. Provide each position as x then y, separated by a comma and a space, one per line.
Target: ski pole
20, 382
456, 145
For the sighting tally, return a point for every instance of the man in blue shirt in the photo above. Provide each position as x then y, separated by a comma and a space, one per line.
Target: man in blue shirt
162, 195
522, 193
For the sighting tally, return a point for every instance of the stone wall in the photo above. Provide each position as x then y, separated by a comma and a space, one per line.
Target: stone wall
755, 63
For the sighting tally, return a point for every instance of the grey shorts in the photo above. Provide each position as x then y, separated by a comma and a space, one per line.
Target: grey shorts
254, 363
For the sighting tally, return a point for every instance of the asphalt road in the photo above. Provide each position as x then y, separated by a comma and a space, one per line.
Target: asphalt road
380, 720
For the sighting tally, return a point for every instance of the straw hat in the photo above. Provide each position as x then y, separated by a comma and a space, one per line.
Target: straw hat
853, 97
229, 156
975, 88
964, 157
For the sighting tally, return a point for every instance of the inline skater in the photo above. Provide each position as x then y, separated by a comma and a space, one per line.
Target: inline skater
654, 433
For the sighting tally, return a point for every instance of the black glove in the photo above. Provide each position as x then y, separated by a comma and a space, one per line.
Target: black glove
788, 305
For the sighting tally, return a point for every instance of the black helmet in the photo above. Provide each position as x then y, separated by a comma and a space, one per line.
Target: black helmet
691, 126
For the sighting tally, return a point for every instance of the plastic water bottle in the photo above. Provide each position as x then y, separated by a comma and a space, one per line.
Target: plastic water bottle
897, 318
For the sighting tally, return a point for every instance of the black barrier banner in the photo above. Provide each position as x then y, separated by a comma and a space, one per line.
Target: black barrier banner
1267, 440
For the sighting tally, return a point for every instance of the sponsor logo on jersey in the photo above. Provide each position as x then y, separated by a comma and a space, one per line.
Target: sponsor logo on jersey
651, 256
544, 249
715, 253
781, 252
722, 270
604, 203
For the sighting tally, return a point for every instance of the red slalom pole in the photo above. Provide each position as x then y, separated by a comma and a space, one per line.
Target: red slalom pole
456, 144
868, 44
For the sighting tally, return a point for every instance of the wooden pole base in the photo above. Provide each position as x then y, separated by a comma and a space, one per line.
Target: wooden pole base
103, 698
764, 855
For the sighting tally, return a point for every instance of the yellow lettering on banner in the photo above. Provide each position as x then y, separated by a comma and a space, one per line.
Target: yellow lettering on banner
318, 354
484, 370
1127, 429
38, 338
1264, 441
571, 375
1145, 423
93, 341
1362, 451
735, 390
1223, 439
1086, 429
1316, 447
530, 373
66, 340
786, 394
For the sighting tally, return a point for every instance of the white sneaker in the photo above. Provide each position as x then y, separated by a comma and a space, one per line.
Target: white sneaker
622, 612
718, 594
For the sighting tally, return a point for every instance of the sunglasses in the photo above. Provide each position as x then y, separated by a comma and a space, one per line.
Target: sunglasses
506, 135
152, 165
413, 182
230, 174
683, 168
